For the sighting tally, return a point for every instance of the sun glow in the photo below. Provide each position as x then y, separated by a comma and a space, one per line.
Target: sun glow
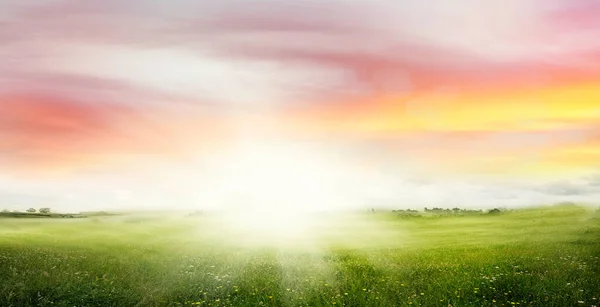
273, 191
269, 226
281, 179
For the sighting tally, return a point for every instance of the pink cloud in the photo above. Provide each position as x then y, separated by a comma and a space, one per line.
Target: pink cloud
577, 15
34, 125
81, 49
382, 46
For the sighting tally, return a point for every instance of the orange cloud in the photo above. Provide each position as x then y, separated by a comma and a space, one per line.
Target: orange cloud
48, 133
532, 109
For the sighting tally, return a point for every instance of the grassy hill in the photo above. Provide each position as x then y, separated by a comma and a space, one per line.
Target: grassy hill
546, 256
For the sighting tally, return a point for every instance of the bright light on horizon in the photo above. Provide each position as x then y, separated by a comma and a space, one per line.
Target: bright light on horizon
281, 178
266, 225
271, 192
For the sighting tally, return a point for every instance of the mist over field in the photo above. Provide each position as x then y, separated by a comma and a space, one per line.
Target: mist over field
299, 153
546, 256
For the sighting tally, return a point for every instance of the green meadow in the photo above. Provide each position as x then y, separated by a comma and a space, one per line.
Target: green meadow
548, 256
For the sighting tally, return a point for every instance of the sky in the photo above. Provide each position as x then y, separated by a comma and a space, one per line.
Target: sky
187, 104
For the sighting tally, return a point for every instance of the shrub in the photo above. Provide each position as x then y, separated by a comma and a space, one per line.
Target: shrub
494, 211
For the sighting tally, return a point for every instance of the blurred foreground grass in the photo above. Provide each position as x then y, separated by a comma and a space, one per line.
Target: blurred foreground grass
533, 257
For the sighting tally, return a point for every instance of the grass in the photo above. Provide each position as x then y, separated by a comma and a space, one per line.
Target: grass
536, 257
39, 215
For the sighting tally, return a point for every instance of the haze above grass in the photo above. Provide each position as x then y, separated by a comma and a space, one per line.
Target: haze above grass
546, 256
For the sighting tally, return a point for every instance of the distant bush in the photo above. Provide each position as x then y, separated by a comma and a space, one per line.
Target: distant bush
407, 213
494, 211
30, 210
97, 213
44, 210
453, 211
5, 211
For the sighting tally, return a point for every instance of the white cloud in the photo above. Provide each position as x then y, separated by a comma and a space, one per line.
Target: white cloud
195, 76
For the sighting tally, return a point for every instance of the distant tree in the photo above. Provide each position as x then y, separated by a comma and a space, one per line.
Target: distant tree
31, 210
44, 210
5, 211
494, 211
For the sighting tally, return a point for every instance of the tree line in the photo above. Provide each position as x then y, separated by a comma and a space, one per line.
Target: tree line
30, 210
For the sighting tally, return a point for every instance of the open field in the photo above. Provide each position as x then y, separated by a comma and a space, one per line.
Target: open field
533, 257
38, 215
